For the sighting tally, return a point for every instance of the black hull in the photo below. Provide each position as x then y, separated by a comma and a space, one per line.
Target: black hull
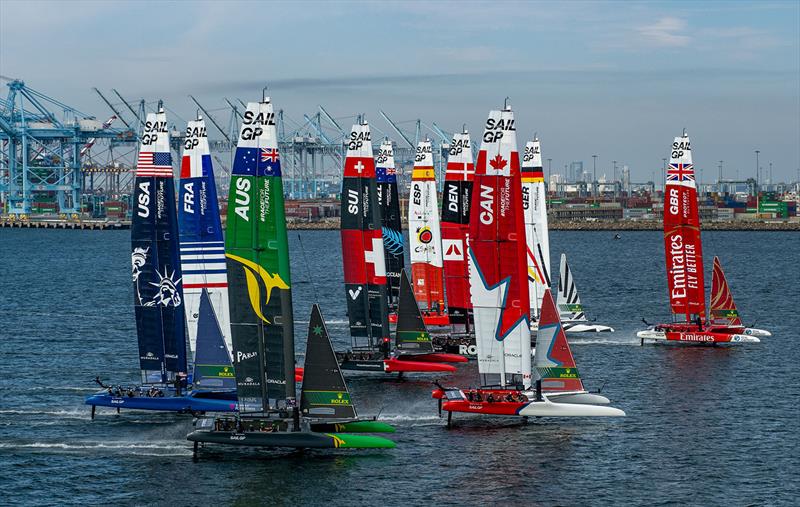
295, 439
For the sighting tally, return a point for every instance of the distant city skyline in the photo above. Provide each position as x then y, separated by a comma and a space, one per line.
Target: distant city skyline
614, 79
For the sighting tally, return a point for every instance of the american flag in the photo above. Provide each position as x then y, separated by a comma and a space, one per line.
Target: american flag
154, 161
269, 154
680, 172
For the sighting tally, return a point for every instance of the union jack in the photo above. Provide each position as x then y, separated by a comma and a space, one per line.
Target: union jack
391, 171
269, 154
680, 172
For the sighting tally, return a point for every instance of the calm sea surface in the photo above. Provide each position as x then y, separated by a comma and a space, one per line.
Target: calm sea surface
705, 425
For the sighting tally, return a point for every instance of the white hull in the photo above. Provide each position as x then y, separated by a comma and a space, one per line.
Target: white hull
579, 327
547, 408
752, 331
579, 398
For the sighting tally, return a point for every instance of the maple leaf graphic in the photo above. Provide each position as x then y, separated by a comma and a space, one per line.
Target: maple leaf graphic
498, 162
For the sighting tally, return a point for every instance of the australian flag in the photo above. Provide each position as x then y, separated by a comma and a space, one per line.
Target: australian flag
257, 162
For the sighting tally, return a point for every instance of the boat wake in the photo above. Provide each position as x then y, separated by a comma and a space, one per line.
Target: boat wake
153, 448
602, 341
61, 414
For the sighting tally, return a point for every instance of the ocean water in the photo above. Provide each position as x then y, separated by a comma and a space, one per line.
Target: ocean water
714, 426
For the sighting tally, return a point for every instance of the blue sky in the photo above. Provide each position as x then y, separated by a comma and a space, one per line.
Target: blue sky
617, 79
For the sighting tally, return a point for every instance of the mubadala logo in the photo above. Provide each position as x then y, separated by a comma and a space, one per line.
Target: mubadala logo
241, 356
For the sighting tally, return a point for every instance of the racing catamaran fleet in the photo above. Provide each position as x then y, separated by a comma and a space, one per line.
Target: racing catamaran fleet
684, 255
214, 313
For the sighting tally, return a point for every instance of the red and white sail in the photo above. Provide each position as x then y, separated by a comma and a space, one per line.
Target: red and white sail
455, 227
682, 244
554, 363
362, 241
723, 308
497, 259
425, 234
536, 233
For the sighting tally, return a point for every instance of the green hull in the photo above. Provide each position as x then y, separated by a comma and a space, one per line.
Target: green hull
295, 439
354, 427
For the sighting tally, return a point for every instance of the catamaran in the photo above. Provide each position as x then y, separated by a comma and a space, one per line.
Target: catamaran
389, 201
365, 268
456, 198
259, 292
325, 419
158, 291
570, 308
500, 297
684, 260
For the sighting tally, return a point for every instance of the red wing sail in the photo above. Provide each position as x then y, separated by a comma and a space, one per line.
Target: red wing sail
455, 228
498, 264
682, 243
554, 362
723, 308
362, 242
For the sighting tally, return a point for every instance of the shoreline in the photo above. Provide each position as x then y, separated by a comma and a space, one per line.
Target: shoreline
607, 225
331, 224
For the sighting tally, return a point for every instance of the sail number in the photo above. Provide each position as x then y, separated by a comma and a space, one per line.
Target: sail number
144, 200
243, 198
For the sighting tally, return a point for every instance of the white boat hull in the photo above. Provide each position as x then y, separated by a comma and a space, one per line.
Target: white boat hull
547, 408
580, 327
579, 398
761, 333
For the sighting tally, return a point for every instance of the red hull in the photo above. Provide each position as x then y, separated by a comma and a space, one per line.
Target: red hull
500, 407
298, 373
399, 366
698, 336
433, 319
710, 328
434, 357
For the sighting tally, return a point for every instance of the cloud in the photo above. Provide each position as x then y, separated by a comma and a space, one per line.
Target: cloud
666, 32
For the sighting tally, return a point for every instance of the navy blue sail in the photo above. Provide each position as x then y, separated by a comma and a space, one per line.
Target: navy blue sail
156, 270
213, 369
